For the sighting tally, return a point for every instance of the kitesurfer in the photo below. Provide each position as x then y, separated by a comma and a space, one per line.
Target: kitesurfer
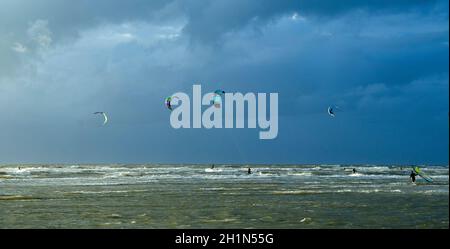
249, 171
413, 176
354, 171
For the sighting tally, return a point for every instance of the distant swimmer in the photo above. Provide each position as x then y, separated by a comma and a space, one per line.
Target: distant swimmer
249, 171
413, 176
354, 171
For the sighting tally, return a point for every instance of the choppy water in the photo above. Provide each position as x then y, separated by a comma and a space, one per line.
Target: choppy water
195, 196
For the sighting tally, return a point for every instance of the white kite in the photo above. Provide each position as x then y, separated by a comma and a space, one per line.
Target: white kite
331, 111
104, 116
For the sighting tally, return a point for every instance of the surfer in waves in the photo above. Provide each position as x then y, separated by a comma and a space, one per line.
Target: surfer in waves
249, 171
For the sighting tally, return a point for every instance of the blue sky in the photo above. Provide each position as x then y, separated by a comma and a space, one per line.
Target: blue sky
384, 63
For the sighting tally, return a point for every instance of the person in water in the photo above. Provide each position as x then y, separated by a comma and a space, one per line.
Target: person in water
249, 171
212, 167
354, 171
413, 176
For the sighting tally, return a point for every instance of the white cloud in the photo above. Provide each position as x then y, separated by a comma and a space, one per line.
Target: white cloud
297, 17
40, 33
142, 33
19, 48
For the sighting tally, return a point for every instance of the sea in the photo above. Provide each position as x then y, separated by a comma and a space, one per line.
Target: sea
226, 196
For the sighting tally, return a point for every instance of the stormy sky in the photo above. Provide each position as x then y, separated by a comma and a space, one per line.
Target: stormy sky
384, 63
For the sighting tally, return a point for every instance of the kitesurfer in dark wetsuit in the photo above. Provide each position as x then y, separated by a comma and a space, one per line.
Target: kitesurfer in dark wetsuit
413, 176
249, 171
354, 171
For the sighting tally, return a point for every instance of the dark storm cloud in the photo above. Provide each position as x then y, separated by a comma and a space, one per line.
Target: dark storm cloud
65, 19
209, 20
384, 62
